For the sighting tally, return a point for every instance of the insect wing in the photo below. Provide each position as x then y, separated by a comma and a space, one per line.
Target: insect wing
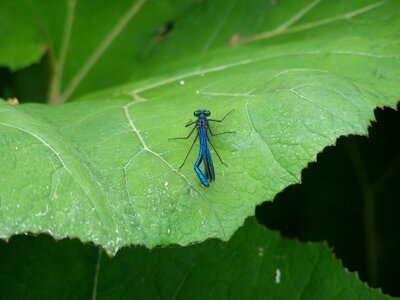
208, 164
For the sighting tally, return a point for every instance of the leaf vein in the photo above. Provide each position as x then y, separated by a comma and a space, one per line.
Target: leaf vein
266, 143
96, 273
298, 16
218, 28
146, 148
101, 216
135, 92
107, 41
310, 25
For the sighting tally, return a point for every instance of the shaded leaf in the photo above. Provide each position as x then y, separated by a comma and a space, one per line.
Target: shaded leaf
90, 45
256, 264
104, 171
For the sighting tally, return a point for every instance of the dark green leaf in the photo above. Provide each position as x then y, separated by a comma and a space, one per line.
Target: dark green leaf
256, 264
104, 171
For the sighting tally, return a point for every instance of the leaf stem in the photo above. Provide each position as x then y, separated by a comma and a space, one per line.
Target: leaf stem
386, 175
370, 238
96, 273
53, 91
102, 47
57, 68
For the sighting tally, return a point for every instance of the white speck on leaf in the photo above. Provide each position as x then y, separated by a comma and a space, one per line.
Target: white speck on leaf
260, 251
278, 276
40, 214
182, 82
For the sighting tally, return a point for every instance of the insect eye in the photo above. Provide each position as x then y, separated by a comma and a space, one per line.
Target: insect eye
196, 113
207, 113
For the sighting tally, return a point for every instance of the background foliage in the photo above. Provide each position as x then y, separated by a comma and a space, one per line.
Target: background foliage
299, 74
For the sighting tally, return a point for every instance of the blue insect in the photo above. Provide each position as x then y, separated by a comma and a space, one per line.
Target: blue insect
203, 128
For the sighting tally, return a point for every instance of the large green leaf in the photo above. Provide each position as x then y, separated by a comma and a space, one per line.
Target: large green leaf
104, 171
255, 264
362, 25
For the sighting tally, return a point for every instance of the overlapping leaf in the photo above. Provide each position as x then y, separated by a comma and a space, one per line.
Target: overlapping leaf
255, 264
88, 45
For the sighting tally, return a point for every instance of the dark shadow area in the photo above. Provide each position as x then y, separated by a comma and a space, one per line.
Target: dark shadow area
38, 267
28, 84
5, 83
350, 198
167, 28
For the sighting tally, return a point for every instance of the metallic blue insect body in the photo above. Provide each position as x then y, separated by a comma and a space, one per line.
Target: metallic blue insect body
203, 128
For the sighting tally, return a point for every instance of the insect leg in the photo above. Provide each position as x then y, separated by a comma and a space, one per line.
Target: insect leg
184, 138
208, 139
213, 120
214, 134
190, 122
190, 149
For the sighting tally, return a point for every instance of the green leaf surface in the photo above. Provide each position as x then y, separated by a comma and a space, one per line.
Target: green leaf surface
256, 264
362, 25
104, 170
